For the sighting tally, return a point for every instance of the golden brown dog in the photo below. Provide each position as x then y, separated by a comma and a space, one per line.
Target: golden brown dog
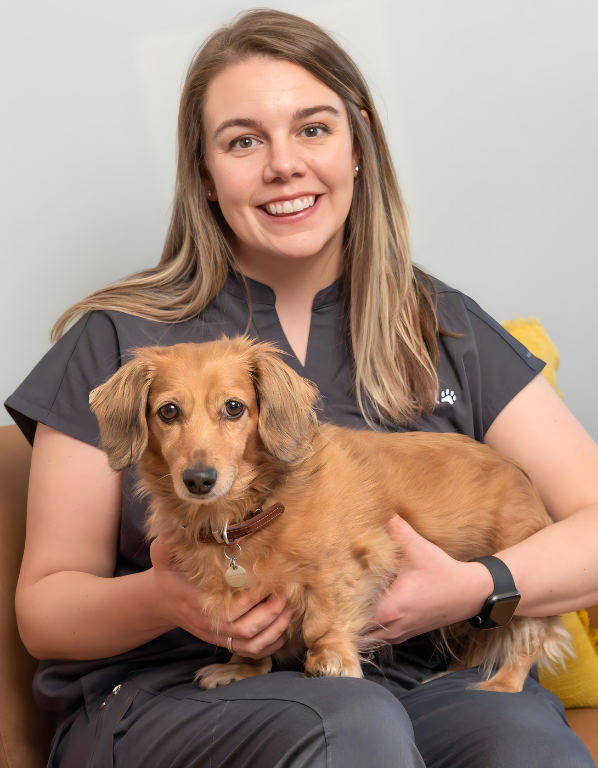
216, 427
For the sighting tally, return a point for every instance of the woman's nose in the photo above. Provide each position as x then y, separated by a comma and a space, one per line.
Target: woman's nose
284, 161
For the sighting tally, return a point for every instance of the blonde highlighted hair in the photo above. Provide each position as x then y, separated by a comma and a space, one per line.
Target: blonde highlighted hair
391, 305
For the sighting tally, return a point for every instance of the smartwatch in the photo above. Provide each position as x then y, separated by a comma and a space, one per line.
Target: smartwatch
500, 606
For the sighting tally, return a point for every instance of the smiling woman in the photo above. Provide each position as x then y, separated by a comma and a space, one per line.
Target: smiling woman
288, 225
274, 112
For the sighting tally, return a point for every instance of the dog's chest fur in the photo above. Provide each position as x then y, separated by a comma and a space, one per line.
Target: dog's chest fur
330, 544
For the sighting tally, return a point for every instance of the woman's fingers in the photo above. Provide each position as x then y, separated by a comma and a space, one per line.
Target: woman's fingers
244, 602
268, 650
160, 553
263, 643
258, 618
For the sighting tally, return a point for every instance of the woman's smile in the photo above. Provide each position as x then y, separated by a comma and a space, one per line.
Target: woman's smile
291, 210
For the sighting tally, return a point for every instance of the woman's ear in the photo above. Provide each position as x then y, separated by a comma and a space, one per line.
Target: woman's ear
357, 149
120, 405
209, 187
287, 417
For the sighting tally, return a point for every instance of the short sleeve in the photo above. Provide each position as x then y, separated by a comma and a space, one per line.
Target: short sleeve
506, 365
56, 392
482, 367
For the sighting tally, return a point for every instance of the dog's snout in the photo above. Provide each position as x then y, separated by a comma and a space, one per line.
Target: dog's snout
199, 480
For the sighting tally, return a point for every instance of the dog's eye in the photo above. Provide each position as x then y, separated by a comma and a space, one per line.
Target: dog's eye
234, 408
168, 412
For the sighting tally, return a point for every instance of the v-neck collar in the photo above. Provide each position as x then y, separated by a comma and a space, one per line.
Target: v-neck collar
266, 323
263, 294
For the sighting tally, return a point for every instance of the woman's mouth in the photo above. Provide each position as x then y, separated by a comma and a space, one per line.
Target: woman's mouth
290, 207
291, 211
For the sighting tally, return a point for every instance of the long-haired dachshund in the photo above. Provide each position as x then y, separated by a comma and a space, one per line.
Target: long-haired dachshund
222, 430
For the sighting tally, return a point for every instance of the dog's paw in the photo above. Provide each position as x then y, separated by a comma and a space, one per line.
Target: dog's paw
327, 663
500, 686
222, 674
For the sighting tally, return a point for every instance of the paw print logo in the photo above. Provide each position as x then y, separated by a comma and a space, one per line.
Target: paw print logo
447, 396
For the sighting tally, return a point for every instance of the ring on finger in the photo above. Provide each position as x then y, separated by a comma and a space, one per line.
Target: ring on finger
229, 644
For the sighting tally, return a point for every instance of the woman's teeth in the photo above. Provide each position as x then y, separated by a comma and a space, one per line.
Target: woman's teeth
291, 206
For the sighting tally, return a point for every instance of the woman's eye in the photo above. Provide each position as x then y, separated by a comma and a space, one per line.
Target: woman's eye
313, 131
245, 142
234, 408
168, 412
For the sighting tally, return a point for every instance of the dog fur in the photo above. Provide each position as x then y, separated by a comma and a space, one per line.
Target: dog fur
329, 554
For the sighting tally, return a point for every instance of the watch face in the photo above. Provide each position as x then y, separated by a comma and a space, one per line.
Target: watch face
503, 609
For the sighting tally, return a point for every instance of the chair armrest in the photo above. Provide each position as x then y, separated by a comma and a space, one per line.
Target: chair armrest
24, 731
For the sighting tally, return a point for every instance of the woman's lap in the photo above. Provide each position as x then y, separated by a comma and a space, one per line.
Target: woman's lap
284, 720
278, 720
458, 727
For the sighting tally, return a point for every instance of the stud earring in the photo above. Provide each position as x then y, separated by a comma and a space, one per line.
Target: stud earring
209, 193
357, 168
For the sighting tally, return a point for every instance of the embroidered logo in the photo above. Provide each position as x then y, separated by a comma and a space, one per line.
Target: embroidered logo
447, 396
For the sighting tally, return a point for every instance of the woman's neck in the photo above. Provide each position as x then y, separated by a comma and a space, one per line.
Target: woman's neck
295, 282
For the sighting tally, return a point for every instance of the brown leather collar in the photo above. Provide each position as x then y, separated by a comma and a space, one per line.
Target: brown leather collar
259, 518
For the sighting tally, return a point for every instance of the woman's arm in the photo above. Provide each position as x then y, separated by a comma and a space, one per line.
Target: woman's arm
556, 569
68, 604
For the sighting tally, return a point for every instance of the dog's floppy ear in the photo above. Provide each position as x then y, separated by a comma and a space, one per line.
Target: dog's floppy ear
287, 418
119, 405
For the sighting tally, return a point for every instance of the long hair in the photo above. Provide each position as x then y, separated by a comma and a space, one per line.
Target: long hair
390, 304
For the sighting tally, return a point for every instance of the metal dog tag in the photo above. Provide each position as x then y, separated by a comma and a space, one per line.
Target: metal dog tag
235, 576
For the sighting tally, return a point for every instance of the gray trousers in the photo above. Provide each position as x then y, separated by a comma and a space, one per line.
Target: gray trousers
160, 719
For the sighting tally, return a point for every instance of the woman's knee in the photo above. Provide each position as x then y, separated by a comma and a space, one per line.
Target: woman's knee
492, 730
528, 740
364, 724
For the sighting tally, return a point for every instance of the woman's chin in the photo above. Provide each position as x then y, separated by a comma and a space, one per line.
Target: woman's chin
299, 246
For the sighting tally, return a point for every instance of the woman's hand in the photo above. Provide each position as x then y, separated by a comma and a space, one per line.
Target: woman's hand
432, 589
257, 628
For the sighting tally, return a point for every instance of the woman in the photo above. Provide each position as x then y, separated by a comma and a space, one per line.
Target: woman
288, 222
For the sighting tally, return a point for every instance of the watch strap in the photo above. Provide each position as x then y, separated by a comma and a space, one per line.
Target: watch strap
501, 575
500, 606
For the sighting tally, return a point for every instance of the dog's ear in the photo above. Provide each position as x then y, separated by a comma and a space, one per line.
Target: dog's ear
287, 418
119, 405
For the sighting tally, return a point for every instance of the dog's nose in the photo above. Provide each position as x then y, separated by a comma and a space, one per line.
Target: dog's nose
199, 479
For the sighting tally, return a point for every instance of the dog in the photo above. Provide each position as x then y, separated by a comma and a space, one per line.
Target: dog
220, 428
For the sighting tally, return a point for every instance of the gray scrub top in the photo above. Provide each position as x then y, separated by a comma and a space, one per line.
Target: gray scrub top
479, 373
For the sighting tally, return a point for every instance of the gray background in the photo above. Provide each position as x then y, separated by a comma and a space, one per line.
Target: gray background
491, 111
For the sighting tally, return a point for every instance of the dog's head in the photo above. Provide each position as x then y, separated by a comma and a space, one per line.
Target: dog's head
209, 411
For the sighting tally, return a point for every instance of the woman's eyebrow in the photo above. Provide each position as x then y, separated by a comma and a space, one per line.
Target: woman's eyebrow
248, 122
301, 114
243, 122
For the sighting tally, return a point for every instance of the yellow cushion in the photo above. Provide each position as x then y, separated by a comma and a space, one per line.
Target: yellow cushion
592, 632
577, 688
532, 334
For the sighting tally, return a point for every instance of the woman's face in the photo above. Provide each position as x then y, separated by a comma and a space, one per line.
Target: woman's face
280, 158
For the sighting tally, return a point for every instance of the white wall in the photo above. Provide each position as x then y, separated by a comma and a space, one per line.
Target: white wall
492, 115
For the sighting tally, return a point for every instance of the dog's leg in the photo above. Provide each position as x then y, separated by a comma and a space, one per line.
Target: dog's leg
331, 631
334, 655
511, 675
238, 668
524, 642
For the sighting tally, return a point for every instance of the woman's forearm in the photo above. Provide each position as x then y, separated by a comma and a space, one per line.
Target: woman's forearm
74, 615
556, 569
